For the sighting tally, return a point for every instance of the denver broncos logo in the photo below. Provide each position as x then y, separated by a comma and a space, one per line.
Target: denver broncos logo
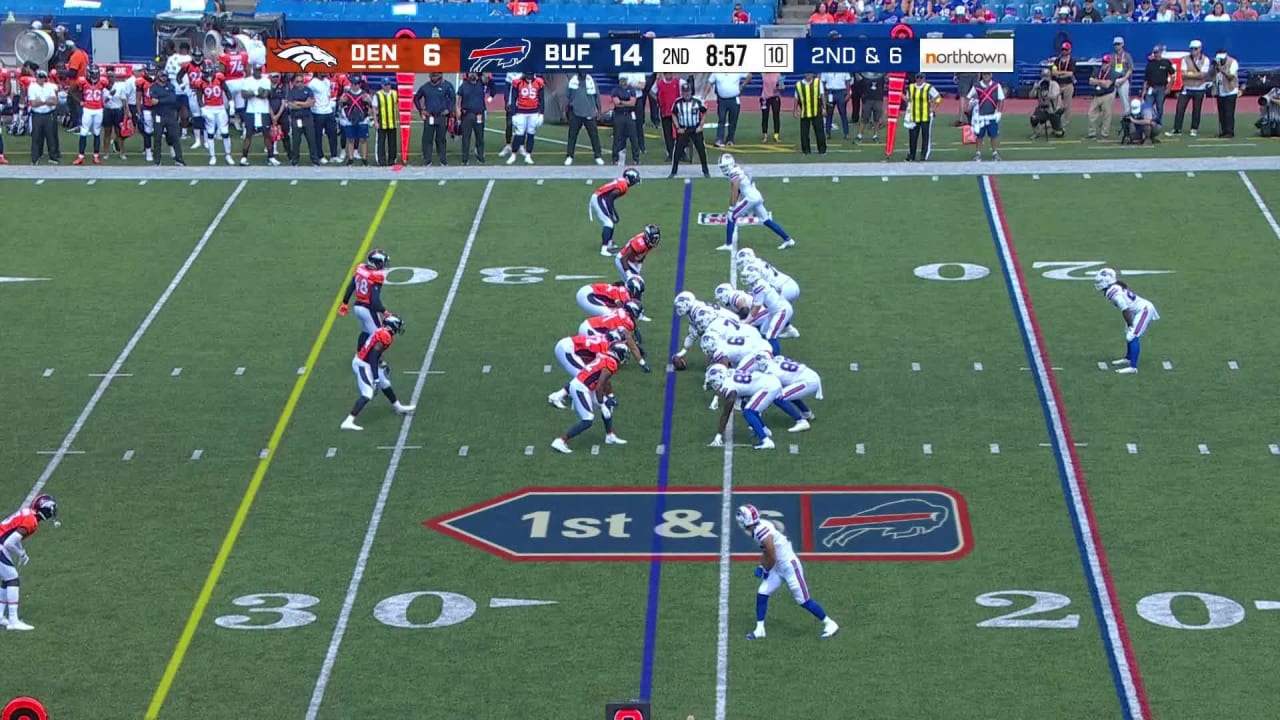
306, 55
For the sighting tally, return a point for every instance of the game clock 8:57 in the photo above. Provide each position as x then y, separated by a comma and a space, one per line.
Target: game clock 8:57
726, 55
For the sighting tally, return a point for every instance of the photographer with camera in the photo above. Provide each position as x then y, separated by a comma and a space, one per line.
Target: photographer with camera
1049, 106
1269, 114
1139, 124
1226, 85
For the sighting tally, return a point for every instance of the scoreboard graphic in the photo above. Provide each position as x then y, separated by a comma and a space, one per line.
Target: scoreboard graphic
406, 54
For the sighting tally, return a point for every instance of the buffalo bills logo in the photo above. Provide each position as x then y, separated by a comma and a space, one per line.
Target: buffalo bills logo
899, 519
306, 55
501, 54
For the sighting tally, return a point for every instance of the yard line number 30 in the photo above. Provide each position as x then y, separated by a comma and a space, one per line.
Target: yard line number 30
282, 611
1044, 611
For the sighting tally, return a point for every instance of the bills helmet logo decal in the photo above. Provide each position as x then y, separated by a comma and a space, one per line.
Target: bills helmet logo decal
501, 54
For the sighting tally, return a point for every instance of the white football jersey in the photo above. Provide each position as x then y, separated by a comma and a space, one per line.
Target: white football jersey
787, 370
764, 295
773, 275
746, 384
1125, 299
738, 300
746, 185
727, 324
781, 545
734, 350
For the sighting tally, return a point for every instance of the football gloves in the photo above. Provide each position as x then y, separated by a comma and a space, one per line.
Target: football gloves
761, 573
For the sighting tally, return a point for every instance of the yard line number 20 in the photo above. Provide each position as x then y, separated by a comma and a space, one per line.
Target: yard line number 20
1044, 610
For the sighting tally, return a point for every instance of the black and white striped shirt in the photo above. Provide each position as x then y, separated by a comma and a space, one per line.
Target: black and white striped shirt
688, 112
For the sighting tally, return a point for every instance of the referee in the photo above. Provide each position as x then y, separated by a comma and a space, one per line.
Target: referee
386, 145
922, 98
687, 114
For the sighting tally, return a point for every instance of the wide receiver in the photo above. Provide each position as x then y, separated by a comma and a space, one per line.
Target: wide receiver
778, 564
366, 285
13, 530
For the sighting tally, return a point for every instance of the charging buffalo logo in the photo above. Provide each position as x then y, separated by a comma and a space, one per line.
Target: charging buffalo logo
501, 54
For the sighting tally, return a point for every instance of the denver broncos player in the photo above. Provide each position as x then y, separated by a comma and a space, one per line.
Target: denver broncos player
753, 392
1138, 314
575, 353
13, 530
778, 564
372, 371
366, 285
745, 198
591, 388
622, 320
526, 115
212, 90
601, 206
799, 381
602, 298
236, 64
93, 91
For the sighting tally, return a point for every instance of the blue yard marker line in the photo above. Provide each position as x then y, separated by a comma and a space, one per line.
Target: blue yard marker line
664, 466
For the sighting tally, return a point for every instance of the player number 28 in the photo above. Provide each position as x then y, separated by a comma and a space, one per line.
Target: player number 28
1158, 609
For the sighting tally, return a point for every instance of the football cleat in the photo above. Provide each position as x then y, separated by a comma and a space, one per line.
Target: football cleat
790, 332
787, 244
829, 628
800, 426
809, 415
612, 439
350, 424
402, 409
559, 445
1127, 371
765, 444
605, 252
393, 323
18, 625
755, 635
377, 258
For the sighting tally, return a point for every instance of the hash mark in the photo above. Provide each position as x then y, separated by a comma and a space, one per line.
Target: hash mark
485, 370
1102, 365
1233, 365
995, 448
330, 452
977, 367
915, 367
588, 182
1190, 174
546, 368
1035, 177
671, 368
462, 451
795, 449
595, 449
48, 372
1132, 448
343, 183
835, 179
528, 449
786, 180
176, 372
662, 449
239, 371
934, 178
540, 181
853, 367
442, 182
196, 455
1138, 175
263, 453
1166, 365
128, 455
140, 182
1275, 449
927, 448
302, 370
1267, 604
95, 182
884, 178
41, 182
860, 449
293, 182
194, 182
1204, 449
1087, 176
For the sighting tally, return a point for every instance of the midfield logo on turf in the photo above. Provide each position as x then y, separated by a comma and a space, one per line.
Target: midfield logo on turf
627, 524
723, 219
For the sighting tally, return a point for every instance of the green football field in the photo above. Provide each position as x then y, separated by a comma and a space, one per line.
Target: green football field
178, 373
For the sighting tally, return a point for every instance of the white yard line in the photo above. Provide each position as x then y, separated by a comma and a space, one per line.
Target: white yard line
362, 560
114, 372
1257, 199
726, 528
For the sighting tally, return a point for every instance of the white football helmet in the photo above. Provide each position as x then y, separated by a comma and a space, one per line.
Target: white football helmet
724, 294
744, 257
750, 275
684, 302
715, 377
747, 517
702, 317
727, 163
710, 344
1105, 278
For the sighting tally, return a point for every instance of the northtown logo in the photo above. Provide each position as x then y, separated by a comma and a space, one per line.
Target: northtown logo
307, 55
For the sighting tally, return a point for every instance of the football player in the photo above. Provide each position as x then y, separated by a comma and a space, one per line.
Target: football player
1138, 313
191, 75
593, 387
741, 353
770, 310
744, 198
366, 285
13, 530
373, 373
93, 91
622, 320
603, 298
753, 391
780, 281
526, 115
630, 259
734, 300
575, 353
778, 564
213, 89
236, 64
799, 381
600, 206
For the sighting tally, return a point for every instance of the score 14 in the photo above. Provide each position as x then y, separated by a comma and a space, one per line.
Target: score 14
627, 55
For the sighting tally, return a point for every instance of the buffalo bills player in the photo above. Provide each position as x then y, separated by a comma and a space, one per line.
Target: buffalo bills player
372, 372
13, 530
1138, 313
753, 391
745, 198
778, 564
366, 285
601, 206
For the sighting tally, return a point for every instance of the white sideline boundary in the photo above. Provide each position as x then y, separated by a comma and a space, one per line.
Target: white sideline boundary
553, 170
